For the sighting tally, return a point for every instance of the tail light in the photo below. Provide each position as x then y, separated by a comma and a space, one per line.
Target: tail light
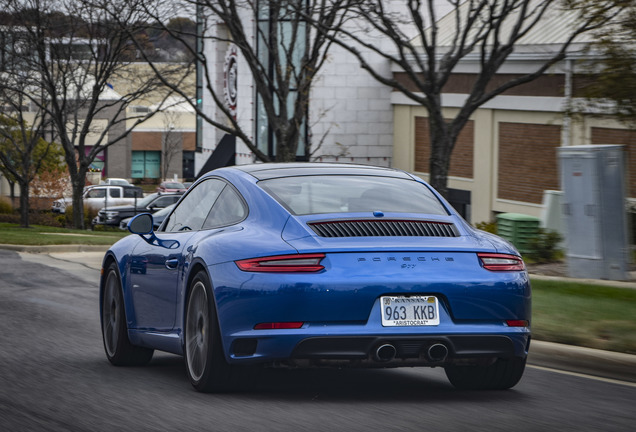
299, 263
501, 262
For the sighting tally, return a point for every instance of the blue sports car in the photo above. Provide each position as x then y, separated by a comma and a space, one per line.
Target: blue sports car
307, 264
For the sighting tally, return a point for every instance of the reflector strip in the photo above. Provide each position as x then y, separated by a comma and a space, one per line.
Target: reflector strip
517, 323
278, 326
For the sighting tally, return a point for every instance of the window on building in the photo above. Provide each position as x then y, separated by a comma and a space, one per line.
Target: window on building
188, 164
279, 27
14, 49
146, 164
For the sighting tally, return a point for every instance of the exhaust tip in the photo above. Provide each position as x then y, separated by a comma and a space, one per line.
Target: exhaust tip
437, 352
385, 353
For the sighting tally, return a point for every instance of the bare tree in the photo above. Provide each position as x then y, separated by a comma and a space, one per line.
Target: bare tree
23, 151
612, 87
485, 31
74, 52
171, 142
282, 52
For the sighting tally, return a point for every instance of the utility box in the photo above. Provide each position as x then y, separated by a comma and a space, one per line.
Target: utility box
518, 229
593, 208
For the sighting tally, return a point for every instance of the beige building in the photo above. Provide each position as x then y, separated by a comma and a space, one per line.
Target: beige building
162, 146
506, 157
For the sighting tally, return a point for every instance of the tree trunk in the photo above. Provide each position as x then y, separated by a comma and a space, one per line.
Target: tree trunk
78, 181
286, 143
12, 188
442, 144
24, 204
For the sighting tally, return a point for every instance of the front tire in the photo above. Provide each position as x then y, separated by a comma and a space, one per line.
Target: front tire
119, 350
502, 374
205, 361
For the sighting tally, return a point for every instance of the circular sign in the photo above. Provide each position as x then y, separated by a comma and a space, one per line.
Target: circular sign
230, 78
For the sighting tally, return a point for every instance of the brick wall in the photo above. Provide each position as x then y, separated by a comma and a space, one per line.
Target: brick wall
550, 85
626, 138
461, 164
146, 141
189, 141
527, 161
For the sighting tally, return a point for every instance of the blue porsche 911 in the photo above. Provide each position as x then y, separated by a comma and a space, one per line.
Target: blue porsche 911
307, 264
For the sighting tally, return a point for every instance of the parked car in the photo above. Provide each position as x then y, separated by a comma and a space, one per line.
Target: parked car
113, 215
157, 218
115, 182
97, 197
316, 265
171, 187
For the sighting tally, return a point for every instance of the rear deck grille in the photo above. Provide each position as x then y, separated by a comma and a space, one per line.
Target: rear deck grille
384, 228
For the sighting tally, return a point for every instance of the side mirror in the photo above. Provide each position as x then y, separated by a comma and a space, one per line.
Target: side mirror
141, 224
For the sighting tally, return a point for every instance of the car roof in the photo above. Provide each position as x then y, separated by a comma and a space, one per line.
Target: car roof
264, 171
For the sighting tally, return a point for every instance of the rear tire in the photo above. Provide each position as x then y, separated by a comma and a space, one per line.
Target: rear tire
501, 375
119, 350
206, 366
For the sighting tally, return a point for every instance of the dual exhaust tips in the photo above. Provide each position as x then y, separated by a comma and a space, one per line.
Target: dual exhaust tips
435, 353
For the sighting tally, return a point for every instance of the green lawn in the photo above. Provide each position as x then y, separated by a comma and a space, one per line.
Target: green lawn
38, 235
586, 315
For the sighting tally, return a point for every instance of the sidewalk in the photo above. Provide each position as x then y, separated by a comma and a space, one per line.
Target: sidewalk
569, 358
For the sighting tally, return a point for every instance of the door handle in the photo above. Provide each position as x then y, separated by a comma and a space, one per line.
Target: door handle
172, 263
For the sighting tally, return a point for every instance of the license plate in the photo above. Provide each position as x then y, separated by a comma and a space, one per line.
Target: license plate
402, 311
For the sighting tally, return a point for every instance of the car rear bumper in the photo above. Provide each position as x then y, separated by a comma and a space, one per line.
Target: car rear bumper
382, 350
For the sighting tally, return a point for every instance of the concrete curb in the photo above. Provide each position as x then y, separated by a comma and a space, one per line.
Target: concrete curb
55, 248
588, 361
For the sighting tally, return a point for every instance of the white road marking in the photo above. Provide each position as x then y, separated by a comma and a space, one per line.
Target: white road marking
580, 375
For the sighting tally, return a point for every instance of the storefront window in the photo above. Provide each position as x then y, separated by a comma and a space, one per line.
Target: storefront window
290, 49
146, 164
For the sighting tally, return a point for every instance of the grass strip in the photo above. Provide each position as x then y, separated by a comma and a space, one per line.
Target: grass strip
41, 235
593, 316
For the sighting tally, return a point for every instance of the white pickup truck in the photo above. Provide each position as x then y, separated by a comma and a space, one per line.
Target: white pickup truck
98, 197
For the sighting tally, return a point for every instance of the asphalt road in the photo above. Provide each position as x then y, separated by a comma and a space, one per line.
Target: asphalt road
54, 376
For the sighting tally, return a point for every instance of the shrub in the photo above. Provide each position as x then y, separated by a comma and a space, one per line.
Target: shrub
105, 228
36, 217
5, 206
89, 215
61, 220
544, 247
10, 218
490, 227
44, 218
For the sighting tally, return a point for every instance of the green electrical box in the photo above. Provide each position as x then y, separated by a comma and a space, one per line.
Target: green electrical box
518, 229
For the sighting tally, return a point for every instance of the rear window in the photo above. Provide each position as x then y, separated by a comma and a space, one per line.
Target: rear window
344, 194
133, 192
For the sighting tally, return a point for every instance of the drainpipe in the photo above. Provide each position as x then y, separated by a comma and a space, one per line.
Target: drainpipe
567, 105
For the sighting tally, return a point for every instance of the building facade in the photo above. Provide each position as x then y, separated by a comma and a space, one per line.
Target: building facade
350, 116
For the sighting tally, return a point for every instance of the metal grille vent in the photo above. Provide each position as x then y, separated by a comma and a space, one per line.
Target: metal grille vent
384, 228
